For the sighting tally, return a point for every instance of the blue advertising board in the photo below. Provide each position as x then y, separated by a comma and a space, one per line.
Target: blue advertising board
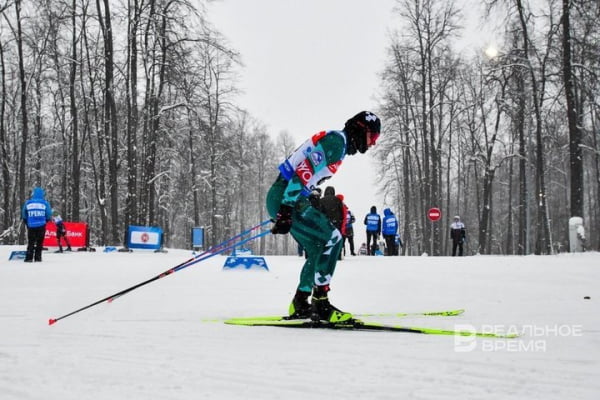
17, 255
251, 262
198, 237
144, 237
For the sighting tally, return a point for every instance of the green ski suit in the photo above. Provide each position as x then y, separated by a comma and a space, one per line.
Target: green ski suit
317, 159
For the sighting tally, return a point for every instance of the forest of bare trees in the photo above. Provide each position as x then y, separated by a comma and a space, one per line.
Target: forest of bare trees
125, 112
508, 141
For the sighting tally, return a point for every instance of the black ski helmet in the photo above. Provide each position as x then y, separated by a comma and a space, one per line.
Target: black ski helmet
358, 127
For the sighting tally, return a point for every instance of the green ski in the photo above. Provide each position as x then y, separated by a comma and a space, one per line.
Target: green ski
444, 313
364, 326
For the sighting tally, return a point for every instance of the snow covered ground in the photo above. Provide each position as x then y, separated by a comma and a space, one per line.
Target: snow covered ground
164, 340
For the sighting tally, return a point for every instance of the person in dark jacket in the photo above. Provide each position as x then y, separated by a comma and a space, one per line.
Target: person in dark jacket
36, 212
315, 200
373, 223
389, 231
61, 232
458, 234
398, 243
333, 207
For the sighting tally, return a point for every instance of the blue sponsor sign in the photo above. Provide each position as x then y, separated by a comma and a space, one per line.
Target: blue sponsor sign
17, 255
144, 237
251, 262
198, 238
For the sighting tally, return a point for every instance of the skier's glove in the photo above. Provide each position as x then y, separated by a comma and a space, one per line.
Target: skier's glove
283, 222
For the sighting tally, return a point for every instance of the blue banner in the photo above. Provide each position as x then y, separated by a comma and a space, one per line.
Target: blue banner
251, 262
198, 238
17, 255
144, 237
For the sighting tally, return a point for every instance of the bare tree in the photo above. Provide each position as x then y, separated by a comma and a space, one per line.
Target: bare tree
134, 14
5, 167
24, 117
75, 159
110, 121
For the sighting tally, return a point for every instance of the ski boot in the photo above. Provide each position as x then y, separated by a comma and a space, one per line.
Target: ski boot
299, 307
323, 310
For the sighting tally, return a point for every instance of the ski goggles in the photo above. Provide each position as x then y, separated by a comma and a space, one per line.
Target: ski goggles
373, 136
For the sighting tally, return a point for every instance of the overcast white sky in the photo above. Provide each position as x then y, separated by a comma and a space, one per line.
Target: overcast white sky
309, 65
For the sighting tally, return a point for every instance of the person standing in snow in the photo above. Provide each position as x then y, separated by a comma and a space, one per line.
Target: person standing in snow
458, 234
344, 213
389, 231
373, 223
315, 160
398, 243
333, 207
36, 212
315, 198
350, 231
344, 229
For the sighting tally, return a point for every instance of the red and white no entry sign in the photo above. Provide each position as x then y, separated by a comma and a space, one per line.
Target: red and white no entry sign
434, 214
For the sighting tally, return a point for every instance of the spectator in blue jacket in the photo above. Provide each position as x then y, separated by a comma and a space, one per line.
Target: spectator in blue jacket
35, 213
373, 223
389, 231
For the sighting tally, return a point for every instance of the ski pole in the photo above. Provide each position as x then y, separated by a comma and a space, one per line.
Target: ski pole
211, 249
179, 267
187, 264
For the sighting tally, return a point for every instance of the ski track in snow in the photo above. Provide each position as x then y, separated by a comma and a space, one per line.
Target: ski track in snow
161, 341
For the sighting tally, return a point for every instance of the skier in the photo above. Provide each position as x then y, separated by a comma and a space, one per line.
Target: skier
61, 231
458, 234
287, 202
35, 213
389, 230
373, 223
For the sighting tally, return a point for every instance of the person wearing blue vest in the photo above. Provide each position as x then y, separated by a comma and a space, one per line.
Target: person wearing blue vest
389, 230
373, 223
35, 213
288, 204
